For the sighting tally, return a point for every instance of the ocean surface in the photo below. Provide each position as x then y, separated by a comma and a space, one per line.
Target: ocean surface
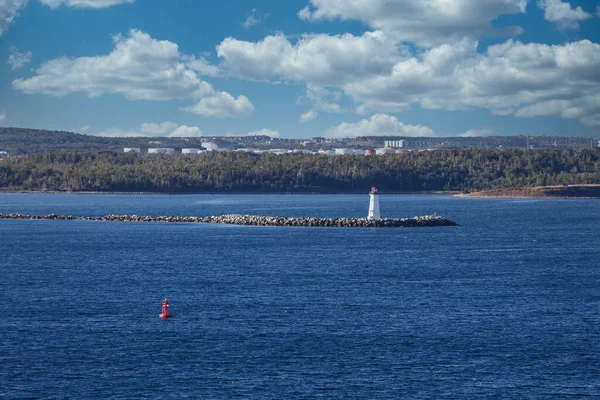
506, 305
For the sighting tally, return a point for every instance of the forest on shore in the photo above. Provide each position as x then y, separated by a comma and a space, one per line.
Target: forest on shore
440, 170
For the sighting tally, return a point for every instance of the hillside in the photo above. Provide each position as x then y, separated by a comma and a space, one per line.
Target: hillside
20, 141
442, 170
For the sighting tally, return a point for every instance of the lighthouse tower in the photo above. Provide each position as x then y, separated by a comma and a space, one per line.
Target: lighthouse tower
374, 204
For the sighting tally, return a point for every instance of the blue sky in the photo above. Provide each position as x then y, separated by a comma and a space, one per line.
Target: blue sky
301, 68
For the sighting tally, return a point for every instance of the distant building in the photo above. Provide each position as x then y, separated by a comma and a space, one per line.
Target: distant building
161, 150
384, 150
399, 144
327, 152
3, 154
370, 152
132, 150
343, 152
192, 151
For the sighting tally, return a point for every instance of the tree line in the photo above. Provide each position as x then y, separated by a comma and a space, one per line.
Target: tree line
440, 170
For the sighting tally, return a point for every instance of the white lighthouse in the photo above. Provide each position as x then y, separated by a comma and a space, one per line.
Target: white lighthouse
374, 204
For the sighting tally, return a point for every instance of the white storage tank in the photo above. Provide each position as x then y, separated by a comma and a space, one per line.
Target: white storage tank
191, 151
210, 146
132, 150
161, 150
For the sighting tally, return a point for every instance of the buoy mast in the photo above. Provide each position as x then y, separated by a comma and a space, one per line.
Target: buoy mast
374, 204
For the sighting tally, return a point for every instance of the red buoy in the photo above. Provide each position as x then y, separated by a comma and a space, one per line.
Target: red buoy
165, 310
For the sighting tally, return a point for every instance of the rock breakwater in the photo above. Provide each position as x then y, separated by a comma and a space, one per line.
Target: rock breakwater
256, 220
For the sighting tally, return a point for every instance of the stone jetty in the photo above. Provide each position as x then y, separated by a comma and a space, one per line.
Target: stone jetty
256, 220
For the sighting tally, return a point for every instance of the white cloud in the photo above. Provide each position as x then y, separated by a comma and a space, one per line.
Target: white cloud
425, 23
508, 78
139, 67
310, 115
18, 60
322, 99
3, 117
597, 11
320, 59
382, 76
202, 66
85, 3
9, 9
84, 129
165, 129
265, 132
254, 18
476, 133
162, 129
378, 125
562, 13
186, 131
222, 105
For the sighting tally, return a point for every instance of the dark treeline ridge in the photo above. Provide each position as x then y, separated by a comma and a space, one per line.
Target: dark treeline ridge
441, 170
19, 141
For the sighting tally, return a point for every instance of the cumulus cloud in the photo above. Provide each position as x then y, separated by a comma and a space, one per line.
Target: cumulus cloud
265, 132
476, 133
85, 3
164, 129
202, 66
140, 68
222, 105
425, 23
562, 13
382, 76
18, 60
9, 9
378, 125
310, 115
508, 78
320, 59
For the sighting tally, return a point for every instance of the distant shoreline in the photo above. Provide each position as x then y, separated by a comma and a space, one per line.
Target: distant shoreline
449, 193
589, 191
540, 192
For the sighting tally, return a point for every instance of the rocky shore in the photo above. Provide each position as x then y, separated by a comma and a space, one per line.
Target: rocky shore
255, 220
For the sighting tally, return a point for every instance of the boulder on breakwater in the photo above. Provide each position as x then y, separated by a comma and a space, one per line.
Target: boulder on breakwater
256, 220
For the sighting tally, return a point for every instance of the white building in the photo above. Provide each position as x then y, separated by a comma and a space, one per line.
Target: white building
192, 151
132, 150
161, 150
397, 144
343, 152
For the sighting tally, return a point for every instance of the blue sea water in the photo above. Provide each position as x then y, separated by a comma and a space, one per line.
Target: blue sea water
506, 305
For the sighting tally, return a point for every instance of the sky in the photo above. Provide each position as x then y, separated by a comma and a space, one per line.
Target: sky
301, 68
